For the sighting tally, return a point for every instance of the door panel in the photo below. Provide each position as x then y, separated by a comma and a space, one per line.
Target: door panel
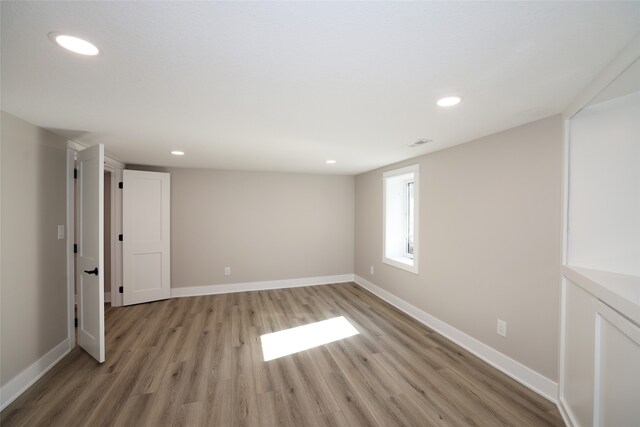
90, 259
146, 236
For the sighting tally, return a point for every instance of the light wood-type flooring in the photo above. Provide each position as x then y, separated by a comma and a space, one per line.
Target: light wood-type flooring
198, 361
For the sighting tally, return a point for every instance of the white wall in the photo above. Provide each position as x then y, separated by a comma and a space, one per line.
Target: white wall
264, 225
604, 187
490, 233
33, 287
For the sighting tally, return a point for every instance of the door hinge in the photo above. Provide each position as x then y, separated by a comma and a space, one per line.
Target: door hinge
120, 185
121, 289
76, 319
75, 248
120, 237
75, 173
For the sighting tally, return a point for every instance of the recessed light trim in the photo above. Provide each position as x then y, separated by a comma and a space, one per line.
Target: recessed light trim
449, 101
74, 44
177, 153
330, 162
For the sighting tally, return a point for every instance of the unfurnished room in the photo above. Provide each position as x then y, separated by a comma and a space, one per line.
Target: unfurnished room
320, 213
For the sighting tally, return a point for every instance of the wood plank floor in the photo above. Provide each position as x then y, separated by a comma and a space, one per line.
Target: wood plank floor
198, 361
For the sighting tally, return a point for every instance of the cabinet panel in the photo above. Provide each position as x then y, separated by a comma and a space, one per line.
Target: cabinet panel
578, 358
617, 369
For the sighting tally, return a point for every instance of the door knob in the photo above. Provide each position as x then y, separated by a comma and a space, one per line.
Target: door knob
94, 271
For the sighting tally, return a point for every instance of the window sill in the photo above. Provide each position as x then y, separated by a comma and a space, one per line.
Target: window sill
403, 263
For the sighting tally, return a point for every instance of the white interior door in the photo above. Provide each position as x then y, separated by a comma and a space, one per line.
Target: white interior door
146, 236
90, 261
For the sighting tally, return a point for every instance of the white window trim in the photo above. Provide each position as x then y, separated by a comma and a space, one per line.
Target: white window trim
405, 225
403, 262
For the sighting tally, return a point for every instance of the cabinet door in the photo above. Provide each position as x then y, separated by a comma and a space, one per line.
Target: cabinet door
617, 369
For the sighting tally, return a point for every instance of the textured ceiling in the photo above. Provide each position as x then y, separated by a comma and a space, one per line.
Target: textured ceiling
287, 85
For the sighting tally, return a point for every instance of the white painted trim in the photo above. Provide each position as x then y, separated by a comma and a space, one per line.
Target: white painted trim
619, 291
526, 376
116, 228
413, 265
565, 412
625, 326
566, 136
113, 163
400, 263
76, 145
597, 364
402, 171
193, 291
108, 160
117, 205
19, 384
71, 324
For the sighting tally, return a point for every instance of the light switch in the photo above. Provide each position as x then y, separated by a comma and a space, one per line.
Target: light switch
60, 232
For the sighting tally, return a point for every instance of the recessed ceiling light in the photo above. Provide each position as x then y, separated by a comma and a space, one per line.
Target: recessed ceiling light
74, 44
449, 101
331, 162
177, 153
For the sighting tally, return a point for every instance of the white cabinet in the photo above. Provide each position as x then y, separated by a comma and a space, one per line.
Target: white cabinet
600, 357
617, 369
576, 389
600, 309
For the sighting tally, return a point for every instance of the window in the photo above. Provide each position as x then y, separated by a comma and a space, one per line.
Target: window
400, 194
409, 204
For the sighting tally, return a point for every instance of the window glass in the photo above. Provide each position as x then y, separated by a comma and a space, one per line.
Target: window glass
400, 223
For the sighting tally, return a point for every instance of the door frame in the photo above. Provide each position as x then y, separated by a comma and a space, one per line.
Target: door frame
115, 167
71, 267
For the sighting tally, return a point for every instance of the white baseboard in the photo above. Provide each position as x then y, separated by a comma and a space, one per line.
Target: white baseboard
526, 376
18, 385
566, 414
193, 291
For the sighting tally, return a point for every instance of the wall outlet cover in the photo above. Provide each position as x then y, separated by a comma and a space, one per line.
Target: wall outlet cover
502, 328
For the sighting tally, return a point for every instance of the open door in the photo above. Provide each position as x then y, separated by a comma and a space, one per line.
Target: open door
146, 236
90, 261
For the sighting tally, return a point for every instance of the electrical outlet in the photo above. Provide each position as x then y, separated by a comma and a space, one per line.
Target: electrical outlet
502, 328
227, 271
60, 232
371, 270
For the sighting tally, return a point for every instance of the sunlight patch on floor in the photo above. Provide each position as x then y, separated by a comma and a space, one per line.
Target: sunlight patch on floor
300, 338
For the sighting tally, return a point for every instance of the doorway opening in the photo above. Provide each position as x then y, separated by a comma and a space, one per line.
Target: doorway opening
110, 236
108, 279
